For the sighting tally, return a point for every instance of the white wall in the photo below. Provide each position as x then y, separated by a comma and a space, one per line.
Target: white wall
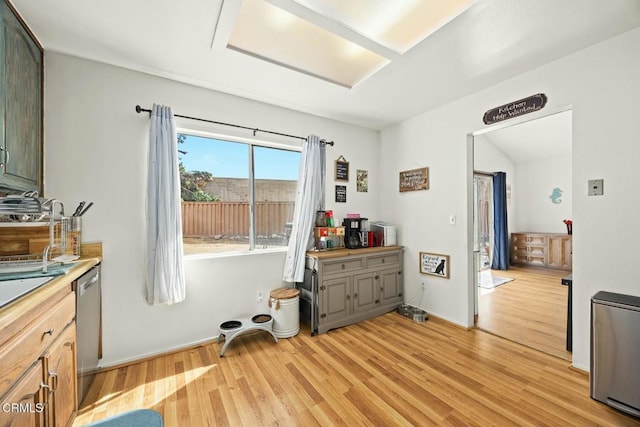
95, 149
601, 85
536, 181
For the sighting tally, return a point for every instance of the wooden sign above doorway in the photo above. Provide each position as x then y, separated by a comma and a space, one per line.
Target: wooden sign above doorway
515, 109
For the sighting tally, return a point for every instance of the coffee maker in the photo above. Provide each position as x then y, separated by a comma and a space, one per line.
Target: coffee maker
355, 232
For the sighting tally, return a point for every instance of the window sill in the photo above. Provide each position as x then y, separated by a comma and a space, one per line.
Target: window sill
246, 252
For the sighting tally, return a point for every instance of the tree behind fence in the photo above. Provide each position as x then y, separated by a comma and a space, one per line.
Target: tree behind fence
207, 219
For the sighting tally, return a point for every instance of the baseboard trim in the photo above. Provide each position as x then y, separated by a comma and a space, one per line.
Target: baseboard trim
579, 370
151, 356
449, 322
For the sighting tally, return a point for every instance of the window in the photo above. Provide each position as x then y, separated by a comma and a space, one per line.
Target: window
235, 195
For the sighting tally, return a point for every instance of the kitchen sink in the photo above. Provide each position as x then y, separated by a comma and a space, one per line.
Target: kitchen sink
10, 290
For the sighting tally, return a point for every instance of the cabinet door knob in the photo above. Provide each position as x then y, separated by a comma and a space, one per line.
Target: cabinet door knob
383, 260
49, 332
342, 266
355, 295
376, 277
348, 296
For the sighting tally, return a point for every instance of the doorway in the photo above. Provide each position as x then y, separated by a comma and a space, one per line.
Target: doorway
523, 304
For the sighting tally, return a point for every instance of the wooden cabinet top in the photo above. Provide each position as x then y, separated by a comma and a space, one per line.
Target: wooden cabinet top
531, 233
337, 253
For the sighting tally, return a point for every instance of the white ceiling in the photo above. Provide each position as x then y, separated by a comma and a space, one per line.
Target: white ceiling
540, 139
491, 41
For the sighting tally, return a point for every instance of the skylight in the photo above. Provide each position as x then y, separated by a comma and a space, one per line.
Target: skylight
396, 24
343, 42
277, 36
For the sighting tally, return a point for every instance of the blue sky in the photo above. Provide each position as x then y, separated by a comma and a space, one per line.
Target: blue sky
226, 159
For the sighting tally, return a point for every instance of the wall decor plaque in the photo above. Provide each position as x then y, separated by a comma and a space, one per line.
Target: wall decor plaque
515, 109
362, 181
414, 179
342, 169
341, 194
434, 264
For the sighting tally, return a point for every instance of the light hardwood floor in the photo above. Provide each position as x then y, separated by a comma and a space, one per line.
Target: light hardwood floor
386, 371
530, 310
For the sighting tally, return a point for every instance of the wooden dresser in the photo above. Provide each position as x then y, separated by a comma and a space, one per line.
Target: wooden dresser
346, 286
550, 250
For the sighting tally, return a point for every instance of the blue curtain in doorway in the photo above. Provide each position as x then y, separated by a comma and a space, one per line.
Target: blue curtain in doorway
500, 229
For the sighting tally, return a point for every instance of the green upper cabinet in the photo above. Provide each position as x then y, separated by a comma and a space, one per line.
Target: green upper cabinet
20, 105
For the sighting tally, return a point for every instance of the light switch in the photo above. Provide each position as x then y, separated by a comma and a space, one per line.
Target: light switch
596, 187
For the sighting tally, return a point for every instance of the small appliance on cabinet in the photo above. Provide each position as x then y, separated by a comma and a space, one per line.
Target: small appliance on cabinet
383, 233
356, 231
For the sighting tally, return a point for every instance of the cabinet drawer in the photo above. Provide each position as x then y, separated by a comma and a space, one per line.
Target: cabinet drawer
332, 267
20, 352
383, 260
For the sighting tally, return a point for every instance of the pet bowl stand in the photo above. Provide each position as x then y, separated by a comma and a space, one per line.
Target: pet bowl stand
233, 328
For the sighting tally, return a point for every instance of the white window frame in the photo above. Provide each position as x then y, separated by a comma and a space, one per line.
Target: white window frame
251, 142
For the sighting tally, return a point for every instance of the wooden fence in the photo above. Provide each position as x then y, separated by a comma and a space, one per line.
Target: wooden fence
206, 219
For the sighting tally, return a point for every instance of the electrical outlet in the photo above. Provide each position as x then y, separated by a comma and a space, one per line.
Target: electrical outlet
260, 296
422, 286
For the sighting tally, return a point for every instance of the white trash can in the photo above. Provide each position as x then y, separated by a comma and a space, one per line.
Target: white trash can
285, 310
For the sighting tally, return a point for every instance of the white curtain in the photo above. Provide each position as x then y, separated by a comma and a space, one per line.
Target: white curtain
309, 199
165, 272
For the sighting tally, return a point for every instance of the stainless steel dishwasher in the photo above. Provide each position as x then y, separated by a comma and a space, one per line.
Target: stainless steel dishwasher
615, 351
88, 328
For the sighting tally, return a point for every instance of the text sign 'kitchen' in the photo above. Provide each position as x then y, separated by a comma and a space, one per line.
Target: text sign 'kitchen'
515, 109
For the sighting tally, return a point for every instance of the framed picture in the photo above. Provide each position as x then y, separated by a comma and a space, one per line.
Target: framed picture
434, 264
342, 169
341, 194
362, 181
414, 179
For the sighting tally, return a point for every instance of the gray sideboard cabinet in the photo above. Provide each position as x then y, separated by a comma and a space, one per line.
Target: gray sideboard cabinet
21, 101
346, 286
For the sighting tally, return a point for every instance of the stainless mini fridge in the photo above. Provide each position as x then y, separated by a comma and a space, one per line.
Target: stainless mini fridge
615, 351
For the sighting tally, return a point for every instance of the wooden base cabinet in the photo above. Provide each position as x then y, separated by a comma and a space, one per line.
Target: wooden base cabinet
560, 252
38, 377
24, 404
548, 250
348, 286
60, 373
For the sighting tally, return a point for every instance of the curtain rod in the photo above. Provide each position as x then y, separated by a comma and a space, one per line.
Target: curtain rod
140, 110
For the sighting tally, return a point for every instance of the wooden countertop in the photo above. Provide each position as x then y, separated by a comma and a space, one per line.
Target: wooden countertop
23, 305
336, 253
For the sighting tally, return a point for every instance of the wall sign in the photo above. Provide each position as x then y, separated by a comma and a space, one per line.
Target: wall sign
515, 109
362, 181
341, 194
414, 179
342, 169
434, 264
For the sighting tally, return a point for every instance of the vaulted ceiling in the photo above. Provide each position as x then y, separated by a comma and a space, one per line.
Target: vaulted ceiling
203, 42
